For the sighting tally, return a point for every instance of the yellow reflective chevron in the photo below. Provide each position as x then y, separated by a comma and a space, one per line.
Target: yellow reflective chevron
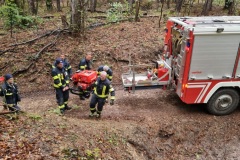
104, 90
101, 96
82, 67
58, 85
56, 77
61, 107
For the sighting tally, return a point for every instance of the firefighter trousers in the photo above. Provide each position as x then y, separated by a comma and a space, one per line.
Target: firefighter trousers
96, 100
62, 97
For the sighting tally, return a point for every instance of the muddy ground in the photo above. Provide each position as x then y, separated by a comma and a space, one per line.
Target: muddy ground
150, 124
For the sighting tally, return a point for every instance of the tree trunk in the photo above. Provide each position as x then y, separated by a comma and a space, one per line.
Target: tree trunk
137, 19
168, 4
93, 5
49, 5
58, 5
227, 4
206, 7
231, 9
160, 17
64, 21
158, 4
179, 5
32, 7
130, 2
78, 16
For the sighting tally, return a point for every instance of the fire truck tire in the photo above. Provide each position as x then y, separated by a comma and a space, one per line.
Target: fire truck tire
223, 102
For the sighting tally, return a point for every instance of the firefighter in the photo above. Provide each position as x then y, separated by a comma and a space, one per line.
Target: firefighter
10, 93
85, 63
66, 65
102, 88
61, 82
107, 70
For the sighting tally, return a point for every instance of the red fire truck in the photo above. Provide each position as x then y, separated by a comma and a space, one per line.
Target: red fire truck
201, 61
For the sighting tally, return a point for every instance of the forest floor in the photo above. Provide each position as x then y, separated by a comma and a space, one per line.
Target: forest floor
149, 124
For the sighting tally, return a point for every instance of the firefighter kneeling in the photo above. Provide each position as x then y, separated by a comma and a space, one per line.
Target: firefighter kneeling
102, 88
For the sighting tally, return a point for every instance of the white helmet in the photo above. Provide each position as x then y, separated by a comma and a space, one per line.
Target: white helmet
105, 68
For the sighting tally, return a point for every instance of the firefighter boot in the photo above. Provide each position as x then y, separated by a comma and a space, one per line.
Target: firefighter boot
62, 111
98, 114
92, 114
17, 108
67, 107
82, 97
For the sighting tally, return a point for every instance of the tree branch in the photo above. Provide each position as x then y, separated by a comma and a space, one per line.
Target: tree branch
23, 70
49, 33
46, 46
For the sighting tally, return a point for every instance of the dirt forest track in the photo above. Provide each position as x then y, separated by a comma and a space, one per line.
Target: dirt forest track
35, 93
150, 124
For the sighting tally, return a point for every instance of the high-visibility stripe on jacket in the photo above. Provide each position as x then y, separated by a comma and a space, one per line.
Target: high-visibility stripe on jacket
10, 93
103, 88
84, 64
109, 72
60, 78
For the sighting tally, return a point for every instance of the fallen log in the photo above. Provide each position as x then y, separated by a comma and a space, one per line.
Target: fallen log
46, 46
37, 38
7, 50
23, 70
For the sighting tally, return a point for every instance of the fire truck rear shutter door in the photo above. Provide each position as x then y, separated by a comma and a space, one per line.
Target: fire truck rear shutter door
213, 55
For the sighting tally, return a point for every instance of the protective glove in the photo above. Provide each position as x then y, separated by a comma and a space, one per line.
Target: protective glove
112, 102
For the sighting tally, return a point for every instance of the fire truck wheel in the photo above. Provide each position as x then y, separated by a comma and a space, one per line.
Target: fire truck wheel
223, 102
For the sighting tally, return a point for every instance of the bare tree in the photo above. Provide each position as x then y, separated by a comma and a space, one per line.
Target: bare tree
231, 9
168, 4
137, 19
59, 5
160, 17
130, 2
49, 5
207, 7
33, 6
78, 16
92, 5
179, 4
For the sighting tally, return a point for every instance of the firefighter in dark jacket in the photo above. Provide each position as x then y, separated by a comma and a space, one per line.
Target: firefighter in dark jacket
61, 82
10, 93
107, 70
66, 65
102, 88
85, 63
